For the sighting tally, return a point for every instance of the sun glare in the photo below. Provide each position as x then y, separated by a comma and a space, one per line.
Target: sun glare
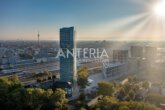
159, 9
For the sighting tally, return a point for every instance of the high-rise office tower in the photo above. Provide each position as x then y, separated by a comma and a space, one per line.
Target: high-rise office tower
67, 63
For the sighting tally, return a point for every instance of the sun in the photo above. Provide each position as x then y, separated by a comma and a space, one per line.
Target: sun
159, 9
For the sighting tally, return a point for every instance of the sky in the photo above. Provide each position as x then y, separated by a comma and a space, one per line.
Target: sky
92, 19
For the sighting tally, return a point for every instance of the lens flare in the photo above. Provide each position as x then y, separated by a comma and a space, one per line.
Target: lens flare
159, 9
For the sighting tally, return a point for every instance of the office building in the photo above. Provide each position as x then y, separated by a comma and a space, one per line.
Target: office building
120, 56
150, 53
137, 51
67, 64
115, 70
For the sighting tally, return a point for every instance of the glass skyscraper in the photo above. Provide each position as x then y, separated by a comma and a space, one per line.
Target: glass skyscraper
67, 64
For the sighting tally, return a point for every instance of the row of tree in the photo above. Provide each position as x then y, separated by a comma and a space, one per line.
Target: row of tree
126, 96
111, 103
132, 95
14, 97
44, 76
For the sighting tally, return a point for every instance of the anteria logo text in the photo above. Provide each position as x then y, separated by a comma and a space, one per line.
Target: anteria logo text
82, 53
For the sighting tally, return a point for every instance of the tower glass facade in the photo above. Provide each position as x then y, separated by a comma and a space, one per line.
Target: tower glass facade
67, 63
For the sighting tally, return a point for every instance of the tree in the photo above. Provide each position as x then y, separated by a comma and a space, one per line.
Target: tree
132, 79
136, 88
145, 85
81, 102
127, 87
131, 94
16, 97
110, 103
123, 108
141, 106
58, 98
121, 93
82, 97
155, 99
34, 98
44, 75
82, 108
105, 88
4, 85
82, 78
14, 81
106, 103
10, 93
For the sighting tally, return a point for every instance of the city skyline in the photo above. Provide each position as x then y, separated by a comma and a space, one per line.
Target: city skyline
93, 19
